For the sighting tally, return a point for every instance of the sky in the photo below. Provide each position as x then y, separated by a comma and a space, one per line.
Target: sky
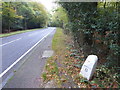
49, 4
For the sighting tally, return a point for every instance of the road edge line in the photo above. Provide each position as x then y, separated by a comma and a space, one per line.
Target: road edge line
5, 71
10, 42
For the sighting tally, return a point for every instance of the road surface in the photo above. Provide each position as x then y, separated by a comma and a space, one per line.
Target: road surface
13, 47
29, 73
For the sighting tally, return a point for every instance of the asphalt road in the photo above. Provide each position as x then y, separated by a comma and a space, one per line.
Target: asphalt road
28, 75
13, 47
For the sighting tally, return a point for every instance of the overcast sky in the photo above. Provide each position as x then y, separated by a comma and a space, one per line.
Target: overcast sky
49, 4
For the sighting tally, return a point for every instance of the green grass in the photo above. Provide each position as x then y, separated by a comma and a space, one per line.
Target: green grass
18, 32
58, 41
44, 76
51, 69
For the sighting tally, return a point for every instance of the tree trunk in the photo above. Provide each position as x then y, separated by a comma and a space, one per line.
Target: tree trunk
104, 4
25, 24
8, 26
9, 19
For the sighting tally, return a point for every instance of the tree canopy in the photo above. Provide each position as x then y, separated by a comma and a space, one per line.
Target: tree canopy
59, 17
23, 15
95, 30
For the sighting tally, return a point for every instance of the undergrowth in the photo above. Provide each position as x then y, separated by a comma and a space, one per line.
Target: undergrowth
64, 67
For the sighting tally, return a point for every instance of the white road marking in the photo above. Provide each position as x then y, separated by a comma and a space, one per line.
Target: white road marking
10, 42
4, 72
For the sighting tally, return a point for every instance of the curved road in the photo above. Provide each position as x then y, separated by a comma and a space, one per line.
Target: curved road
13, 47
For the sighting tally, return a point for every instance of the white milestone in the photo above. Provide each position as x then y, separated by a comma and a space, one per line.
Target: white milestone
89, 67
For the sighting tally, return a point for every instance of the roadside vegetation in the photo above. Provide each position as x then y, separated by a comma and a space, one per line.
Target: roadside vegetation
51, 68
20, 16
59, 18
94, 29
18, 32
84, 28
64, 67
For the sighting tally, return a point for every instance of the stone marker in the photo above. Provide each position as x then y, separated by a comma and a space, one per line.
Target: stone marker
89, 67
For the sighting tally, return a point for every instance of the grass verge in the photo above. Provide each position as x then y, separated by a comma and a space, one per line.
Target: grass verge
52, 71
61, 67
18, 32
64, 66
